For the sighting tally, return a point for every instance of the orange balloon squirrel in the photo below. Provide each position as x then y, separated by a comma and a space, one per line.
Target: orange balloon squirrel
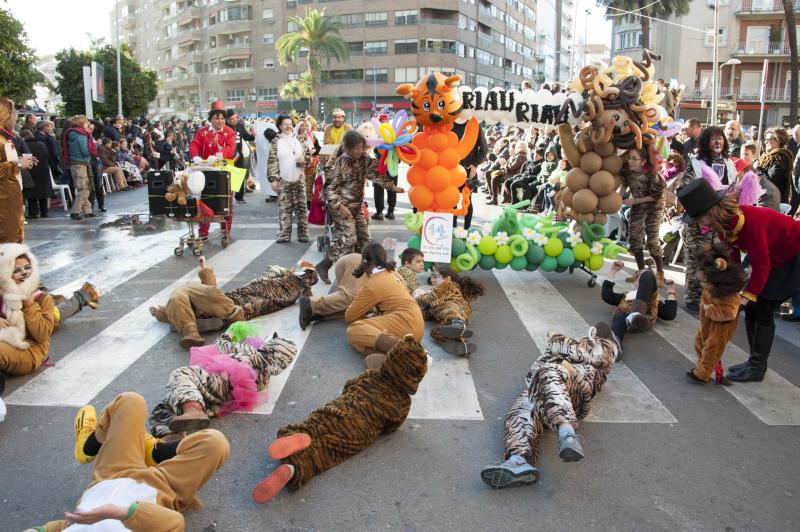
436, 176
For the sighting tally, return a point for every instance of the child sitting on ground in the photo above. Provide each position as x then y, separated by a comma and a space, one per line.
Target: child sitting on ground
223, 377
639, 309
449, 304
413, 262
719, 312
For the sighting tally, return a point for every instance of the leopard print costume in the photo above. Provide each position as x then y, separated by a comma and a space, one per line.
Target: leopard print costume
560, 386
213, 390
275, 289
374, 403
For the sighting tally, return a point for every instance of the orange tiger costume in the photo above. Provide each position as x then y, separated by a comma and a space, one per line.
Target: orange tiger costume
374, 403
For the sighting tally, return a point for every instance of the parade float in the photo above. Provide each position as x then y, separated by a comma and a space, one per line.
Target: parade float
606, 112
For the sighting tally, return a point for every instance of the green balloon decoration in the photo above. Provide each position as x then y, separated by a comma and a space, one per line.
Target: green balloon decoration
503, 255
595, 262
487, 245
454, 265
563, 236
582, 252
487, 262
535, 254
518, 263
531, 267
553, 247
549, 263
560, 269
501, 265
459, 247
518, 245
415, 242
566, 258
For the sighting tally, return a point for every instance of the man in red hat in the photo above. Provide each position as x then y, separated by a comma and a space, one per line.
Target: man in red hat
214, 140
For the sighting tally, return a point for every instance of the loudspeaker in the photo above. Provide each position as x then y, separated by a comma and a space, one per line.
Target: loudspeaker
217, 192
157, 183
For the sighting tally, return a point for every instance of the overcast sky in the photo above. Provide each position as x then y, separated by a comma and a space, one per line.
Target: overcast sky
56, 24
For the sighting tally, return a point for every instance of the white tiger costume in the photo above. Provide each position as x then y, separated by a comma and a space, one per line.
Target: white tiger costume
559, 388
214, 390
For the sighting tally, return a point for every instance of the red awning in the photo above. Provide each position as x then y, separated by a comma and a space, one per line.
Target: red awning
234, 56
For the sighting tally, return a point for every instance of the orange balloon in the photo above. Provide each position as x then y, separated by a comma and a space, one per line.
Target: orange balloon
437, 178
416, 175
452, 139
458, 176
465, 194
448, 157
420, 197
421, 139
448, 197
438, 142
427, 158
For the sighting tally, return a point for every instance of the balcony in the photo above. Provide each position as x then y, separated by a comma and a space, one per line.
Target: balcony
439, 21
236, 73
758, 48
772, 94
763, 7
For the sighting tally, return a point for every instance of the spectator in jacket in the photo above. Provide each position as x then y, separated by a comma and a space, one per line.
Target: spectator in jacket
109, 159
693, 129
776, 162
471, 163
733, 132
44, 134
29, 124
114, 129
39, 188
234, 122
78, 150
509, 169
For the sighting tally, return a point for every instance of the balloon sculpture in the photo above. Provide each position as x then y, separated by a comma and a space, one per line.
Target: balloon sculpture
436, 174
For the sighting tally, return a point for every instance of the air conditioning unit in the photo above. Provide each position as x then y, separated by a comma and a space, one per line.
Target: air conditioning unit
253, 98
269, 20
253, 90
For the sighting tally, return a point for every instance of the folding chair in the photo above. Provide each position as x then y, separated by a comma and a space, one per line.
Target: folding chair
63, 190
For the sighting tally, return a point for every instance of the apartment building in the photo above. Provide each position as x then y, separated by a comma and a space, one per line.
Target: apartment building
206, 50
750, 31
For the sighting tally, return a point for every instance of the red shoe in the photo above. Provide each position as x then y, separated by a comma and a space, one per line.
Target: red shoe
268, 488
286, 446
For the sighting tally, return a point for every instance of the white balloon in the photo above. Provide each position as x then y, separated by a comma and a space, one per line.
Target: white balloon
196, 182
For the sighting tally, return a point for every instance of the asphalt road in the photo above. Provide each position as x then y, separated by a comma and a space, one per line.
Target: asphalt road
663, 454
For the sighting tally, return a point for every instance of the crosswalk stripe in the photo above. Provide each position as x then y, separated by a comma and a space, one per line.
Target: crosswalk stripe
625, 398
125, 260
285, 323
448, 390
82, 374
775, 400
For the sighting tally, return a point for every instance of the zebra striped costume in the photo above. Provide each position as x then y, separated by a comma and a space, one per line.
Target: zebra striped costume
559, 389
213, 390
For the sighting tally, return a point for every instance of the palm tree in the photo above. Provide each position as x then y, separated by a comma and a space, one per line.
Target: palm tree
291, 91
319, 36
791, 31
647, 8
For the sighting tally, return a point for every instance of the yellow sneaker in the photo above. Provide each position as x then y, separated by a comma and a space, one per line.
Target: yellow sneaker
85, 423
150, 442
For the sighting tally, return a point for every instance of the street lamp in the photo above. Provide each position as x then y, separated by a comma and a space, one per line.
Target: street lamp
731, 63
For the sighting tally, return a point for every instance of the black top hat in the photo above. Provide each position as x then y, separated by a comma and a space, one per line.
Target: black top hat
697, 198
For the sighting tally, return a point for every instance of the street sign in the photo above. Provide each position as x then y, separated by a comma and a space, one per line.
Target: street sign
98, 82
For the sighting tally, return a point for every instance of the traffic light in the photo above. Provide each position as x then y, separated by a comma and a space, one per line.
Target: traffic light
322, 110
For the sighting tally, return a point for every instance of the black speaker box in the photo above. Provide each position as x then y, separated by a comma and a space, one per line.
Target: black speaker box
157, 183
217, 192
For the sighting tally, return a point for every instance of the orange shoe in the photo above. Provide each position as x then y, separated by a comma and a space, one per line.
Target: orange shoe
268, 488
286, 446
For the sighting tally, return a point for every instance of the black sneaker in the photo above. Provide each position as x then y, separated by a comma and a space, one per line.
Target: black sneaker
75, 216
693, 308
241, 200
390, 215
377, 216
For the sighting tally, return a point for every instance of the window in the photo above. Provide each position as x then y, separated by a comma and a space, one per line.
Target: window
722, 36
268, 14
376, 47
376, 19
291, 4
484, 57
629, 39
344, 76
376, 75
211, 96
405, 46
353, 20
234, 95
291, 26
402, 18
233, 14
267, 95
356, 48
269, 38
439, 46
406, 75
269, 64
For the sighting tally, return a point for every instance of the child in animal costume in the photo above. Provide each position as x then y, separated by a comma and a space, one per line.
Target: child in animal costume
332, 306
223, 377
413, 262
276, 289
639, 309
559, 389
385, 291
374, 403
719, 311
28, 316
140, 489
450, 304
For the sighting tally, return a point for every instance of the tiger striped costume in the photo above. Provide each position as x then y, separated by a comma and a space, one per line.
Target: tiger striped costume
213, 390
374, 403
444, 304
559, 389
275, 289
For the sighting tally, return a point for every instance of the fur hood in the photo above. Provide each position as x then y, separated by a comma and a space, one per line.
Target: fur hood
14, 294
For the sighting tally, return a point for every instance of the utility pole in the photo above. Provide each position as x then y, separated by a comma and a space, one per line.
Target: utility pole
119, 66
714, 60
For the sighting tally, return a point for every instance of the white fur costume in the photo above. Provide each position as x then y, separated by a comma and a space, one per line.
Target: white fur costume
14, 294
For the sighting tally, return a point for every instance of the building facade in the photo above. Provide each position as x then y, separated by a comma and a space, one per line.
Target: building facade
750, 31
206, 50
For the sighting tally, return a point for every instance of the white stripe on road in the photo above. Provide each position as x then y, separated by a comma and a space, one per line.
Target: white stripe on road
625, 398
78, 377
285, 323
447, 391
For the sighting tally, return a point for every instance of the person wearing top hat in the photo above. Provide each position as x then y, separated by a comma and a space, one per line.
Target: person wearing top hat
214, 140
335, 132
772, 243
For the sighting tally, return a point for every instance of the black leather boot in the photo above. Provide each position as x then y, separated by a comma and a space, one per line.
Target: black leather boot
322, 269
756, 366
751, 327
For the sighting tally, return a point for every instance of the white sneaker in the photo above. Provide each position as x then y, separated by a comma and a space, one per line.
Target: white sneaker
515, 471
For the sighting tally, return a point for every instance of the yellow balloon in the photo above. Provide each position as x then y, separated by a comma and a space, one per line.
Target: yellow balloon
387, 133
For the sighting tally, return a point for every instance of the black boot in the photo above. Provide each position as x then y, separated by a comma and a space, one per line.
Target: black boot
756, 366
322, 269
307, 316
390, 213
377, 216
751, 327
